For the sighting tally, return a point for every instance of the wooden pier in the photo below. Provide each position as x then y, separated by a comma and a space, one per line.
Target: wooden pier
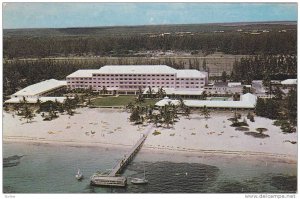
112, 179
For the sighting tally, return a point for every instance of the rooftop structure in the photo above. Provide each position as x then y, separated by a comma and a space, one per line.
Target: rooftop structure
247, 101
39, 91
83, 73
127, 79
173, 91
41, 88
289, 82
224, 88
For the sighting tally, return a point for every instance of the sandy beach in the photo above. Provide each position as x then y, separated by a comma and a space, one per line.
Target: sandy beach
111, 128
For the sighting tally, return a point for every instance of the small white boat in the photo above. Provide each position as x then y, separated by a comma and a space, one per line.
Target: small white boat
79, 175
139, 180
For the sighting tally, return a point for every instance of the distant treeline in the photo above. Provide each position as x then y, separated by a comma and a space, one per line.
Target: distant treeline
22, 73
19, 74
278, 67
270, 43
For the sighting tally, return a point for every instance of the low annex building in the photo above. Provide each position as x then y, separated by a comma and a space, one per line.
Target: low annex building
39, 91
127, 79
247, 101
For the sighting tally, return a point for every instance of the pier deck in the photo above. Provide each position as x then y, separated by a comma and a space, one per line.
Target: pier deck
112, 179
130, 155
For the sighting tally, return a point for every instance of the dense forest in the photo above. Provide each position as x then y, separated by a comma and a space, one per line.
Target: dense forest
277, 67
271, 43
268, 48
28, 72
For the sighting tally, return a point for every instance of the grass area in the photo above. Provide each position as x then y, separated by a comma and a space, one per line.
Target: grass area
120, 101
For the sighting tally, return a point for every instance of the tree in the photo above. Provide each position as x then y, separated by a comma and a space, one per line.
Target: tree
135, 115
167, 117
129, 106
260, 108
205, 112
267, 83
224, 76
291, 106
268, 108
104, 90
235, 97
156, 119
204, 65
161, 92
139, 98
204, 95
278, 93
187, 111
150, 92
27, 113
246, 90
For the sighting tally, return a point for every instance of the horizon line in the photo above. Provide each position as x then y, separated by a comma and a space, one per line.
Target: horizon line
171, 24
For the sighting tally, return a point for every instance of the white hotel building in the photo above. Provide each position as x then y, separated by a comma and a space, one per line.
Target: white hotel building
126, 79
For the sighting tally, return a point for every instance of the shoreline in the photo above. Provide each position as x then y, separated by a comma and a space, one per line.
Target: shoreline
191, 152
195, 135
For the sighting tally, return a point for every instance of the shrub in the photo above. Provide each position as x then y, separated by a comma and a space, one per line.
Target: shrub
238, 124
287, 128
256, 134
242, 129
261, 130
156, 132
251, 118
233, 119
278, 122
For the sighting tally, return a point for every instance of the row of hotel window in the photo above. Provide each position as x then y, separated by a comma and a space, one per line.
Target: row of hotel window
135, 83
87, 86
172, 79
131, 75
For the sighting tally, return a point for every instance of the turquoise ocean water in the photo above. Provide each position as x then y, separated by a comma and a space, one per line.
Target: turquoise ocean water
52, 168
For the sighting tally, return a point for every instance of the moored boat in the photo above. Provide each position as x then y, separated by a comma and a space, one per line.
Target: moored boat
79, 175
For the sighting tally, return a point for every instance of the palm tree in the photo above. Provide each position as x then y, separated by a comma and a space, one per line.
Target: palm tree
205, 112
156, 119
27, 113
181, 103
150, 92
104, 90
135, 115
140, 98
161, 92
279, 94
187, 111
235, 97
204, 95
129, 106
167, 118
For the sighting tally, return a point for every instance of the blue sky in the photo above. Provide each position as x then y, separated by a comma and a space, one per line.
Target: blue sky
57, 15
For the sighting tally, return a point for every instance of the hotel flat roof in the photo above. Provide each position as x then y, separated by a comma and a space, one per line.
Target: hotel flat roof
83, 73
136, 69
139, 69
190, 74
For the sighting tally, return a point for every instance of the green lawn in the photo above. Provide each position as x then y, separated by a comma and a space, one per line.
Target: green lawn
120, 101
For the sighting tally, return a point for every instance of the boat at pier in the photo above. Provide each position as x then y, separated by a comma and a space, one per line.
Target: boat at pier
105, 180
139, 180
79, 175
